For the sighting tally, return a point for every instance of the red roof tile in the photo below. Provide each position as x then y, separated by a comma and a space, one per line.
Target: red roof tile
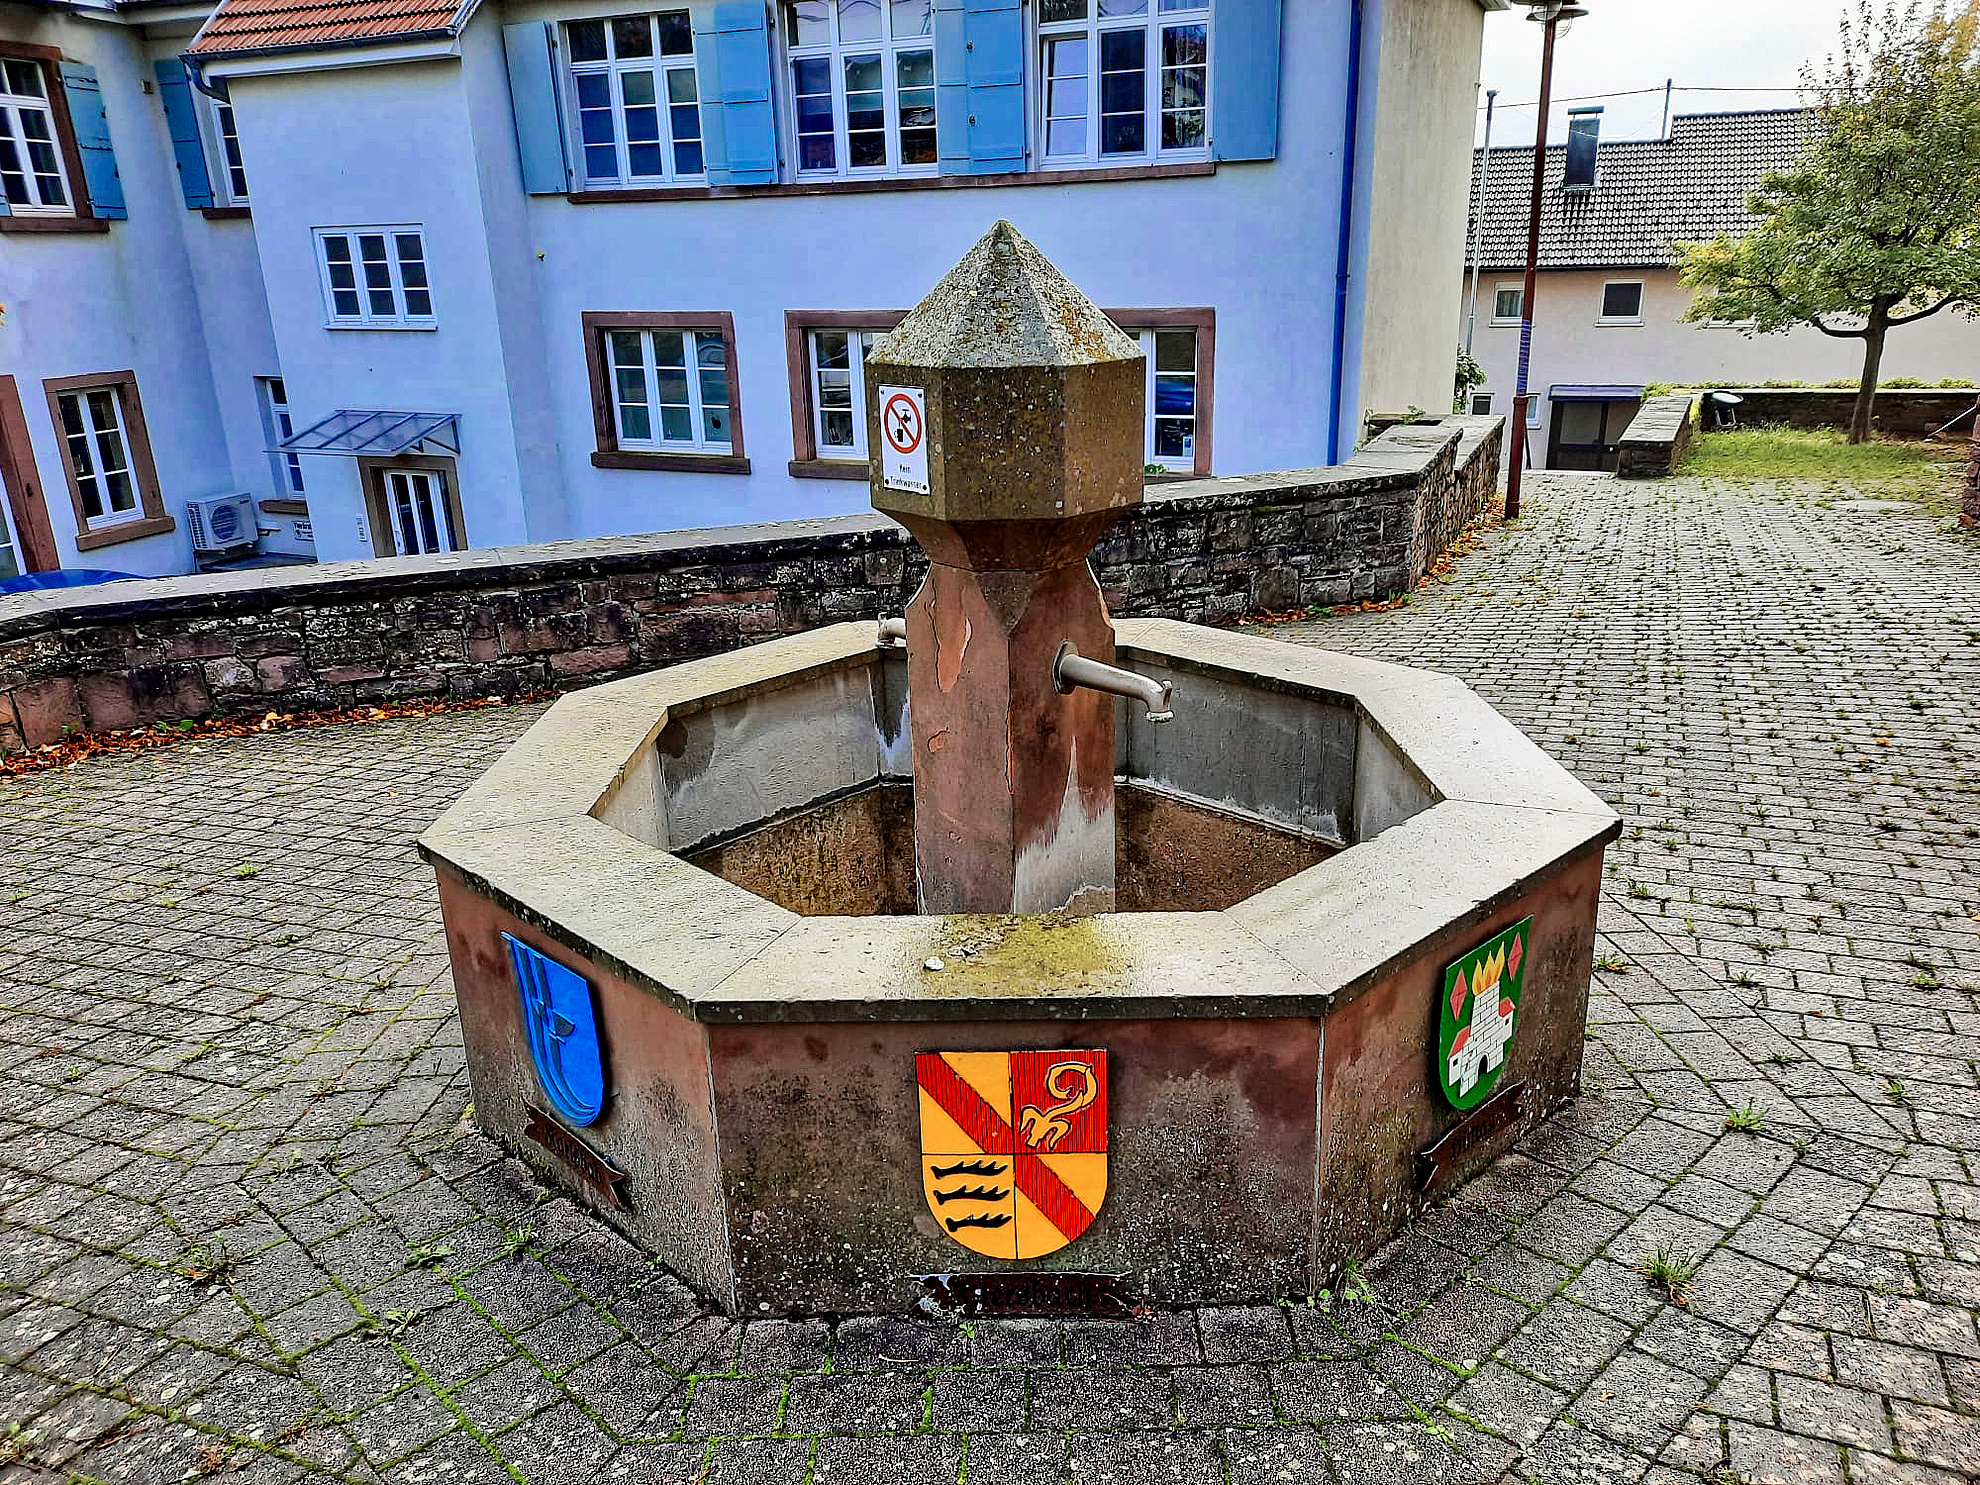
280, 25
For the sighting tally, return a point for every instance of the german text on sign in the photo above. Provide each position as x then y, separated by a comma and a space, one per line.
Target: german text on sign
904, 439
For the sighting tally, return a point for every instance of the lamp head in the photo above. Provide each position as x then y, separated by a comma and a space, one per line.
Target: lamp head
1553, 10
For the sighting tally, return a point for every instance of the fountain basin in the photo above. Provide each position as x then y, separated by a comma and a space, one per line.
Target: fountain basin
723, 851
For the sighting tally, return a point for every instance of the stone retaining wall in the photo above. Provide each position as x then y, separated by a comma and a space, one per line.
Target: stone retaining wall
517, 620
1658, 438
1907, 414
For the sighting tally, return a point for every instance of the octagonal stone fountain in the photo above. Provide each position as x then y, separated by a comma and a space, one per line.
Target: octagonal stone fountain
867, 968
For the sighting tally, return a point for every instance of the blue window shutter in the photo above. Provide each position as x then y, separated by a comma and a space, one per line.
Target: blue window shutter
1244, 83
951, 88
993, 53
182, 119
738, 120
530, 47
106, 191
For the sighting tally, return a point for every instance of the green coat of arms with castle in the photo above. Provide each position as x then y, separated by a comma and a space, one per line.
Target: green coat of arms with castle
1477, 1015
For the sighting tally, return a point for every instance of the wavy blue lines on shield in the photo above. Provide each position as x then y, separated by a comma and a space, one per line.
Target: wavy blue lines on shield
563, 1033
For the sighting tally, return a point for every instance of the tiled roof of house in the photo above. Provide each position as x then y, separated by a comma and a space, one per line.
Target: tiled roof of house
1648, 193
285, 25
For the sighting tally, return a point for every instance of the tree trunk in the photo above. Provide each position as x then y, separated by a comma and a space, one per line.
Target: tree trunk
1862, 427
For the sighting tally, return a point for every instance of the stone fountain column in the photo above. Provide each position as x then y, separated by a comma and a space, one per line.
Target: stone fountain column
1031, 421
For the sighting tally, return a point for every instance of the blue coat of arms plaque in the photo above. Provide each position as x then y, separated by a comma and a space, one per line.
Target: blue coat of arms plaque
563, 1033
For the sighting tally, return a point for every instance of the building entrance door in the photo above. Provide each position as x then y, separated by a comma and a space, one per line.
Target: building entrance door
1587, 433
415, 509
418, 501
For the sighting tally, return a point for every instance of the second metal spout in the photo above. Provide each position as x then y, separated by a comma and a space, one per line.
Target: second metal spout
1073, 669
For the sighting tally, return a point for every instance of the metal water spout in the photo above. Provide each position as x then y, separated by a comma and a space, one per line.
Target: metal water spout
1005, 413
1073, 669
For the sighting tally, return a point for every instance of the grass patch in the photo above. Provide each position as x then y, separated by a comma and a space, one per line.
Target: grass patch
1671, 1270
1887, 468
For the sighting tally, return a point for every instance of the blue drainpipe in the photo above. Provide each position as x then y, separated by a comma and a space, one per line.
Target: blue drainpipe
1351, 151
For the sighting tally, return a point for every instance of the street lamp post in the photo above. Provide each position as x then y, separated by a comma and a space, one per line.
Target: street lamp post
1549, 13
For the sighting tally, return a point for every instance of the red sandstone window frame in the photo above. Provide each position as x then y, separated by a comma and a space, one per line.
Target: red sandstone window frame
144, 473
81, 217
799, 323
806, 463
604, 422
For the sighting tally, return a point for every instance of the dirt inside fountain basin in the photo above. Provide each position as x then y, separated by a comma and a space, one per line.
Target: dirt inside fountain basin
853, 856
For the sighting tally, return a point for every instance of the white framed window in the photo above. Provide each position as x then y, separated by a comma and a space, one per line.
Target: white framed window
1622, 303
230, 183
97, 448
375, 277
1171, 396
277, 426
1508, 304
635, 99
31, 174
670, 390
1481, 404
837, 362
862, 80
1124, 80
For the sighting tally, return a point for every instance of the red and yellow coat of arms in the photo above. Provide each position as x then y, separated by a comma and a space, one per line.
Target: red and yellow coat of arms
1013, 1147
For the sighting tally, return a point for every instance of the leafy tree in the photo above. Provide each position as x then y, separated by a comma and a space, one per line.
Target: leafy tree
1877, 225
1469, 375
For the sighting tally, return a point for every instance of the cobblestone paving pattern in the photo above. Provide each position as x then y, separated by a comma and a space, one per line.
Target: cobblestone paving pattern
244, 1238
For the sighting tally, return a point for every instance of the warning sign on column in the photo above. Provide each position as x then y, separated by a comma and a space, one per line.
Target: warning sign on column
904, 439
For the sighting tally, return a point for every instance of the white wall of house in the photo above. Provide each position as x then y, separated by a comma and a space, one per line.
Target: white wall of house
233, 310
163, 293
1425, 112
387, 146
1571, 344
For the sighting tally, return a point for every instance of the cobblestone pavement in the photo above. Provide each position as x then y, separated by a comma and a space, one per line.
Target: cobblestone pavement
244, 1237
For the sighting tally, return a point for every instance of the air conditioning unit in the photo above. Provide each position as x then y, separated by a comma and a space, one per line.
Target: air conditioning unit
221, 523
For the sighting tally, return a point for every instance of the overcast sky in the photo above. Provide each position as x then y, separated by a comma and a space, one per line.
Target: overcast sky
1622, 45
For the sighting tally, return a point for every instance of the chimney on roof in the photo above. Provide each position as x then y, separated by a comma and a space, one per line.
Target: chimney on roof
1584, 139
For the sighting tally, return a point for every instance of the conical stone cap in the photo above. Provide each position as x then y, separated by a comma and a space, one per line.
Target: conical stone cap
1035, 399
1005, 304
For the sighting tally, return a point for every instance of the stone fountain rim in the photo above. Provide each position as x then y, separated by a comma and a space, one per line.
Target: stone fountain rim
1504, 817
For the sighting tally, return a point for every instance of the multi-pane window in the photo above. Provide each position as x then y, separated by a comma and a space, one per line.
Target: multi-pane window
1171, 396
98, 451
862, 86
1124, 79
232, 180
838, 391
280, 427
636, 99
670, 389
375, 276
30, 157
